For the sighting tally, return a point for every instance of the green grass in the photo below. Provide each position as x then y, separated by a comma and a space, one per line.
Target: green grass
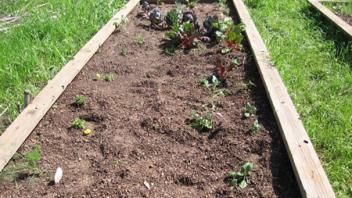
343, 8
46, 36
315, 62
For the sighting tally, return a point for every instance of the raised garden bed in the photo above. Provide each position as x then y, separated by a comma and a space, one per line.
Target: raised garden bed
164, 123
338, 12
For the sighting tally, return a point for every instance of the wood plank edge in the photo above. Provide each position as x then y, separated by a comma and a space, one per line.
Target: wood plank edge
331, 16
282, 101
18, 131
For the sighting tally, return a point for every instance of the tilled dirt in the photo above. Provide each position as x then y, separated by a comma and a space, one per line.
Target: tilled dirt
141, 127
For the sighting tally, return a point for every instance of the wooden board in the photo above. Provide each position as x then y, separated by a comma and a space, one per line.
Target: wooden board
308, 170
344, 26
23, 125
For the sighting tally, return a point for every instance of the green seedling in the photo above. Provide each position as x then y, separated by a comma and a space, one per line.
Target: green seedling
23, 166
140, 40
80, 100
170, 50
213, 84
109, 77
202, 123
210, 83
78, 123
124, 51
255, 127
241, 178
249, 110
235, 61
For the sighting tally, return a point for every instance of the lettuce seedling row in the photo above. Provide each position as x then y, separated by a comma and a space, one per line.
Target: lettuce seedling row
185, 113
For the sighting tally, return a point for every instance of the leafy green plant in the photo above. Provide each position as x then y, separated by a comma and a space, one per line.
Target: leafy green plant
109, 77
186, 35
255, 127
229, 33
23, 166
170, 50
213, 84
241, 178
173, 17
210, 83
248, 110
202, 123
78, 123
80, 101
140, 40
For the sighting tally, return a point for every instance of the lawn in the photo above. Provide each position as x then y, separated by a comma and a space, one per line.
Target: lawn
314, 60
343, 8
37, 38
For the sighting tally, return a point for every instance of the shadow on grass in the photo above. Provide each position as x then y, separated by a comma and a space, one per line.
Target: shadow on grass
342, 42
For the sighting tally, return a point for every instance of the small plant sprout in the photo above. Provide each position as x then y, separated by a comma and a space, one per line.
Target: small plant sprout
210, 83
255, 127
241, 178
170, 51
248, 110
140, 40
80, 101
202, 123
124, 51
109, 77
78, 123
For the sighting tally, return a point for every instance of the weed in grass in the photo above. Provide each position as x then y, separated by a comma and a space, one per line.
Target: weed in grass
109, 77
80, 100
140, 40
78, 123
202, 122
255, 127
249, 110
241, 178
23, 166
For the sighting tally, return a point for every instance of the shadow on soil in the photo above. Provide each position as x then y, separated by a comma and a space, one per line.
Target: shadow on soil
283, 177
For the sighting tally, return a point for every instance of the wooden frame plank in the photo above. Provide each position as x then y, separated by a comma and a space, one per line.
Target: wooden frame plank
305, 162
23, 125
343, 25
308, 170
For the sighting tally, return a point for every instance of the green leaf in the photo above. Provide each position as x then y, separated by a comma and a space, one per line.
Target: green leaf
243, 184
234, 182
247, 167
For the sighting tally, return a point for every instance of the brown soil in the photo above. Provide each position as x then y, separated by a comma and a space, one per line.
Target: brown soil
141, 131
